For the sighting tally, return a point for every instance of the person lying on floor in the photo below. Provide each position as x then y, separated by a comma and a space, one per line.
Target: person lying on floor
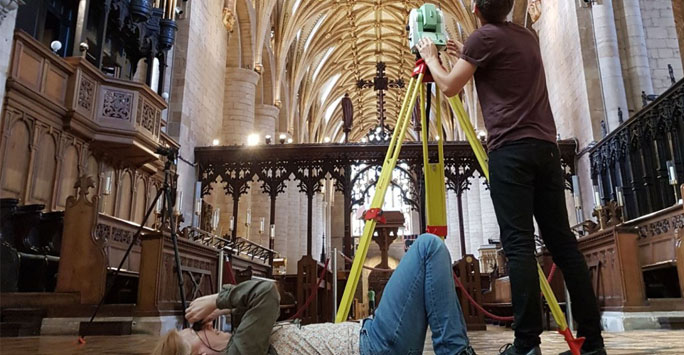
421, 292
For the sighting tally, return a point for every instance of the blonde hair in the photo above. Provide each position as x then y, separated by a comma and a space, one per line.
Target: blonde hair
171, 344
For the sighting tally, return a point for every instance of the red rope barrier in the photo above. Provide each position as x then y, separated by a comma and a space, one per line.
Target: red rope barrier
480, 308
463, 289
313, 293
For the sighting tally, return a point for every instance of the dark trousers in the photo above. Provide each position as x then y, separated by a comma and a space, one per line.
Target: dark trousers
526, 181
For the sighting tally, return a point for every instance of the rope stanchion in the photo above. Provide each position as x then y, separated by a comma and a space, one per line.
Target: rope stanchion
313, 293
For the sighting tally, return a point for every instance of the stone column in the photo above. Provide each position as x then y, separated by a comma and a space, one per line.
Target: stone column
301, 214
453, 241
282, 221
609, 61
238, 123
293, 233
337, 226
238, 106
637, 65
472, 205
264, 124
490, 227
6, 35
678, 11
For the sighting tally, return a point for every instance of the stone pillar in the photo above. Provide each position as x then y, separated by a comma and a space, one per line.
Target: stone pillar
337, 226
490, 227
453, 241
609, 61
266, 117
474, 230
637, 68
282, 221
238, 123
238, 106
6, 35
317, 223
301, 213
264, 124
293, 233
678, 11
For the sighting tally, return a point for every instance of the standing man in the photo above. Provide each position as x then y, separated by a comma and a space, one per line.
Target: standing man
526, 179
371, 301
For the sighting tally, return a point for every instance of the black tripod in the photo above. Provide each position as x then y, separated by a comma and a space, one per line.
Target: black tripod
169, 200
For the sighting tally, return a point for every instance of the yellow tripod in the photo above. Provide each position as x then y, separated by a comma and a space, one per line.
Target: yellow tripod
435, 197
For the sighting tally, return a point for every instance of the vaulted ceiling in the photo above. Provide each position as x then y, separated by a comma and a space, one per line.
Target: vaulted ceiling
321, 48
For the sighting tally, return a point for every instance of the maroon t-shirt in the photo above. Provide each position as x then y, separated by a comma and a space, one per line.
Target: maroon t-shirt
511, 83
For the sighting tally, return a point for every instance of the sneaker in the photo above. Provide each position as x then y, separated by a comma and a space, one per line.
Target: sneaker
510, 349
601, 351
467, 351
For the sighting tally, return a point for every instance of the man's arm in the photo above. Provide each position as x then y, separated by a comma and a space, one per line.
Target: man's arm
451, 83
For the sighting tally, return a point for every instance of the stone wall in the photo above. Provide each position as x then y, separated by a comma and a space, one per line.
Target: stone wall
662, 42
6, 35
196, 102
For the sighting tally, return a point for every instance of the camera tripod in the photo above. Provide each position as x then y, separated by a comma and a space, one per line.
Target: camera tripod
168, 196
435, 189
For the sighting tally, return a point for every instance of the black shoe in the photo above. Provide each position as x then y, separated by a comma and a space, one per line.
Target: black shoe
601, 351
467, 351
510, 349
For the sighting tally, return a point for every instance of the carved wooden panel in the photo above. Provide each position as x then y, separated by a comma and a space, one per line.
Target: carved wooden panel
115, 107
125, 195
85, 99
117, 235
16, 160
657, 236
28, 66
93, 169
35, 169
68, 176
140, 202
55, 86
44, 171
615, 269
158, 291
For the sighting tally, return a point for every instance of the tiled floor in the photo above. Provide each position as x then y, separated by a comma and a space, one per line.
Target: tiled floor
633, 343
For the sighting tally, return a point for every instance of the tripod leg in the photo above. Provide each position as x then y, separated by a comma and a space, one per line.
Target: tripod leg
174, 239
433, 173
381, 188
128, 252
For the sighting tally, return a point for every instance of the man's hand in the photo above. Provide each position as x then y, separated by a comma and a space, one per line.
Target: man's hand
427, 49
201, 308
454, 48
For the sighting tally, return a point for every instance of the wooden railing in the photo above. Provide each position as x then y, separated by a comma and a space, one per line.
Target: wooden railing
634, 158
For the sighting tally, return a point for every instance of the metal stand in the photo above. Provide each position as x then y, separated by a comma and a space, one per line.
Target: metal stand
169, 200
334, 283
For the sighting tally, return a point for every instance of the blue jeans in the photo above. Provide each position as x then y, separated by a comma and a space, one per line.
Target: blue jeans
420, 292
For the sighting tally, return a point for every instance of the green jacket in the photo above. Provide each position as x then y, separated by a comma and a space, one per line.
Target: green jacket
258, 302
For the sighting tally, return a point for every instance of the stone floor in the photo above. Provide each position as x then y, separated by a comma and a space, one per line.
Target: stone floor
633, 343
